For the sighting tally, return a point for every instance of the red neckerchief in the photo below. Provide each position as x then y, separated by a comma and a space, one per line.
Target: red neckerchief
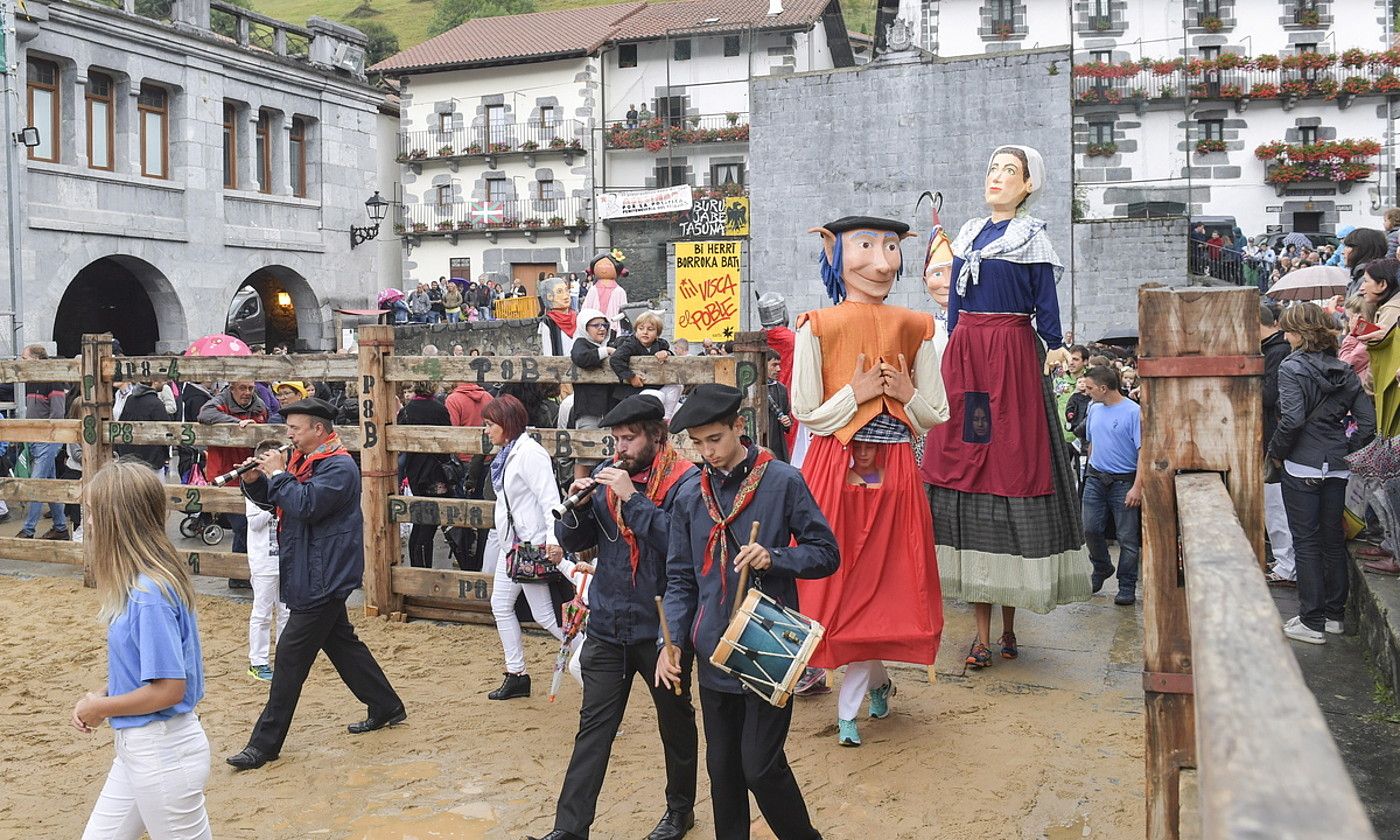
741, 500
566, 319
299, 465
667, 469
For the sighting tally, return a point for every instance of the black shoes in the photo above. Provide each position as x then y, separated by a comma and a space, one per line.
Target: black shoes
374, 722
1124, 599
250, 759
556, 834
673, 826
515, 685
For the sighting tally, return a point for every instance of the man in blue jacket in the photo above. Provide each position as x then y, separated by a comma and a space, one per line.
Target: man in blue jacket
321, 536
628, 519
744, 735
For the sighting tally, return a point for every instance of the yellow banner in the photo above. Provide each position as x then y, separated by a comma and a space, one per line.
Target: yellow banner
707, 290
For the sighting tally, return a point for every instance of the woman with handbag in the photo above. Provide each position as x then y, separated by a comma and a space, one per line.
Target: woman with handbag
523, 477
1318, 393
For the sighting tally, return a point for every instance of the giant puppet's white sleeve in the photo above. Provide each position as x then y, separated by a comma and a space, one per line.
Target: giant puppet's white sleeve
822, 418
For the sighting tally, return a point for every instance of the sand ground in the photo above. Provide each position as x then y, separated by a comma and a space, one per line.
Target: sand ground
1049, 746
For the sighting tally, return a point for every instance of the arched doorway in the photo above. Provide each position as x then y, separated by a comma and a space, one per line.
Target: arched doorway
122, 295
275, 305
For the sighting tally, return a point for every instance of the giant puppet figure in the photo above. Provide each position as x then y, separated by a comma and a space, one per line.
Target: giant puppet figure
607, 295
865, 381
559, 326
1001, 491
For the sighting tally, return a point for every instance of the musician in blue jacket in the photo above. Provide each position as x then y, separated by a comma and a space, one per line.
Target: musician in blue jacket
320, 530
628, 520
739, 486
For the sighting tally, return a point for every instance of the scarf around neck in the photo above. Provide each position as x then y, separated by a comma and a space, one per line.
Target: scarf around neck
1024, 241
717, 546
299, 465
565, 319
667, 469
498, 466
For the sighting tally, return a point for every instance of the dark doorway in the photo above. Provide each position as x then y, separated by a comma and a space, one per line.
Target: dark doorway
265, 310
106, 297
1307, 223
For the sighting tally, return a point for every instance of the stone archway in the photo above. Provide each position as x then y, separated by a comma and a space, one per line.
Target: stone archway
291, 311
123, 295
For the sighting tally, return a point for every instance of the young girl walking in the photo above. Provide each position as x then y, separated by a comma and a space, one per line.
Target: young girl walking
155, 672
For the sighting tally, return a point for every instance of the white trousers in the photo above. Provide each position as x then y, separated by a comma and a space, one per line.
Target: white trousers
265, 603
860, 678
1280, 538
503, 594
156, 784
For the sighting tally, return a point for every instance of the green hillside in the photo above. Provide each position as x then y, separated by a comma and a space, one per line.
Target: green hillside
409, 19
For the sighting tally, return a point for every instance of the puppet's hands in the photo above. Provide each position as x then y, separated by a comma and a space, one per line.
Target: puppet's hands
867, 384
896, 382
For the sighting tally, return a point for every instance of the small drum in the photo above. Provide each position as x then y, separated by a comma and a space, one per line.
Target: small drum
767, 647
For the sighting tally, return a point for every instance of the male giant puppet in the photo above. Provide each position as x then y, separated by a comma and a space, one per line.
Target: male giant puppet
865, 381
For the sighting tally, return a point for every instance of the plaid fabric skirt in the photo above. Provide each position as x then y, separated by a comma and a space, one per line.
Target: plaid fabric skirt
1018, 552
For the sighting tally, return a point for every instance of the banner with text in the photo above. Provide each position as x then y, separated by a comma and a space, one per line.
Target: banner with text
644, 202
707, 290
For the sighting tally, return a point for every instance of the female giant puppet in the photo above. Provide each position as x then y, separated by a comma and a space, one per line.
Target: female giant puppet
865, 379
1001, 490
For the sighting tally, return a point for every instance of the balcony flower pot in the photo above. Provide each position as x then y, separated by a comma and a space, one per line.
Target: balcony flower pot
1205, 147
418, 154
444, 226
556, 221
532, 224
473, 149
1004, 31
420, 227
445, 151
558, 143
1212, 24
464, 226
1101, 150
529, 146
1231, 92
732, 117
498, 148
401, 157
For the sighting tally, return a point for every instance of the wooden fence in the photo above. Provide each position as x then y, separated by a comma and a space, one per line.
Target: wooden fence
391, 589
1223, 692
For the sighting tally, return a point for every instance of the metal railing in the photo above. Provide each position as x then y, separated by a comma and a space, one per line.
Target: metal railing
565, 136
525, 214
250, 29
1235, 83
660, 132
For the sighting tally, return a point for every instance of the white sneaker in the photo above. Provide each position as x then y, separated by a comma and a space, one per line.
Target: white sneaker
78, 537
1334, 627
1296, 630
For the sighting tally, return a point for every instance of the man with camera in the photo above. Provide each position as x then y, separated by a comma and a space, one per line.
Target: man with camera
627, 518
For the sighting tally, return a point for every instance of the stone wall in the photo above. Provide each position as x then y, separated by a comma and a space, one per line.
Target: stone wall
644, 244
1112, 258
869, 140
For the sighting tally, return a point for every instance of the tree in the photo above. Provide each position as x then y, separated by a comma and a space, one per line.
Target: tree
453, 13
382, 40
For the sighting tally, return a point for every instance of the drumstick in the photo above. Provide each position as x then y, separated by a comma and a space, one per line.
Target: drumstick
666, 635
743, 575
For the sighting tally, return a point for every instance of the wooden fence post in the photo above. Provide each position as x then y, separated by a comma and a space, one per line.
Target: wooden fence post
1199, 360
378, 470
751, 369
95, 413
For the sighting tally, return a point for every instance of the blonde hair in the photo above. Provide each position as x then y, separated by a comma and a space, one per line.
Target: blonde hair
1359, 305
125, 509
649, 317
1315, 329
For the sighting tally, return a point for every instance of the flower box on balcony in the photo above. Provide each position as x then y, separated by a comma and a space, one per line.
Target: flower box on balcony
1264, 90
1355, 58
1326, 88
1356, 85
401, 157
498, 148
1295, 89
418, 154
580, 222
1388, 84
473, 149
1101, 150
654, 145
533, 224
558, 143
529, 146
732, 117
1205, 147
556, 221
1307, 17
420, 227
1004, 31
444, 226
1212, 23
445, 151
1266, 62
398, 230
1231, 92
464, 225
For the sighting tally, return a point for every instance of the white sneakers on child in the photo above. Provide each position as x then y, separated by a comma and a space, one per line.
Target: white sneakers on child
1296, 630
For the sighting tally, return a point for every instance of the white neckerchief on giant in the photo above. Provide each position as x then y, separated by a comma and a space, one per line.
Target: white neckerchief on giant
1024, 241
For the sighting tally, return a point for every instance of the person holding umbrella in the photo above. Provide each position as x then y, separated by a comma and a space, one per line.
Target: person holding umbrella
632, 496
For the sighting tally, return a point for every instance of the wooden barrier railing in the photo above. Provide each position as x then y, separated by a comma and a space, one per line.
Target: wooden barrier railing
1245, 720
377, 374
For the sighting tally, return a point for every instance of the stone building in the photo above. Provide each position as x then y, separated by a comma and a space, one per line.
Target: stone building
192, 157
513, 125
1274, 114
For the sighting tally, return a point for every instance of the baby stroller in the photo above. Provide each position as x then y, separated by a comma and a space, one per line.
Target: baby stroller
203, 523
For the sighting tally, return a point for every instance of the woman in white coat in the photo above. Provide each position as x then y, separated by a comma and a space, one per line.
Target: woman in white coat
523, 477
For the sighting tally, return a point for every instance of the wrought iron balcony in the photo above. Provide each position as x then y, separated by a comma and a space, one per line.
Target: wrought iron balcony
659, 132
529, 216
566, 138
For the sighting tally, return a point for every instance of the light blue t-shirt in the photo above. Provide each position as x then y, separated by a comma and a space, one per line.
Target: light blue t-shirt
155, 639
1114, 433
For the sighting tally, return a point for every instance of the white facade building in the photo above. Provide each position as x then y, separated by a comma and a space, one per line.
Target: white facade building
950, 28
511, 125
1174, 100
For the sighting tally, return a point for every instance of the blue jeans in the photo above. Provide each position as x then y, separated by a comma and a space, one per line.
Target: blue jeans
1104, 495
1315, 507
453, 317
42, 456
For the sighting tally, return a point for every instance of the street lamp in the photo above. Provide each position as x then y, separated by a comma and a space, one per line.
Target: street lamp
376, 208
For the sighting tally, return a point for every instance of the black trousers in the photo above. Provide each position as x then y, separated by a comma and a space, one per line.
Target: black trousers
308, 632
608, 670
744, 738
420, 545
1315, 507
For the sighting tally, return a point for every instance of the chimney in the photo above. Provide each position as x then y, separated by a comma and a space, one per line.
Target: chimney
775, 7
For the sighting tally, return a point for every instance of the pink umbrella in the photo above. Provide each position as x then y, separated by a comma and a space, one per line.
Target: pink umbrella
218, 345
388, 295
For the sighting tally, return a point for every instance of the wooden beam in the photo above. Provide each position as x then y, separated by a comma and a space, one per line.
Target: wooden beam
64, 490
378, 467
41, 551
1246, 758
188, 499
430, 510
40, 370
41, 431
95, 393
301, 367
472, 440
550, 369
1188, 424
219, 564
431, 610
460, 588
199, 434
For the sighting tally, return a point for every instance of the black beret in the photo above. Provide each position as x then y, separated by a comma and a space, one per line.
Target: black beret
635, 409
707, 404
866, 223
314, 406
